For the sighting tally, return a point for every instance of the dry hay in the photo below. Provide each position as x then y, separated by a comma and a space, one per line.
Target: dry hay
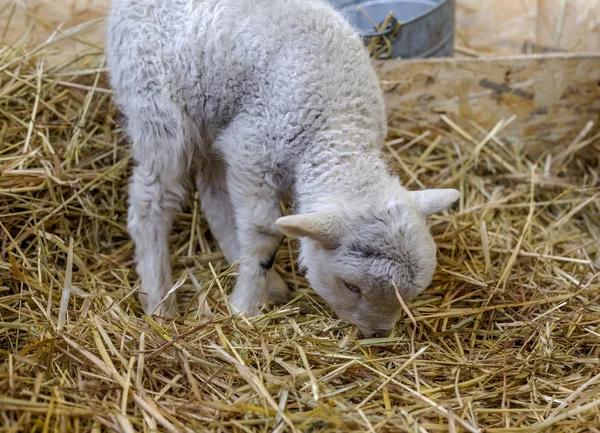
507, 337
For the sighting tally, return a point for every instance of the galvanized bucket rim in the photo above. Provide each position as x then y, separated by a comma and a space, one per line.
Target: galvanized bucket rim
402, 23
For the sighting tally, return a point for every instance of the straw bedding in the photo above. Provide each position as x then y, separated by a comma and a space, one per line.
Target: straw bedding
506, 339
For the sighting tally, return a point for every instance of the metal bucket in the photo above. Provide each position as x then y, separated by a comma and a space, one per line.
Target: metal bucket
426, 26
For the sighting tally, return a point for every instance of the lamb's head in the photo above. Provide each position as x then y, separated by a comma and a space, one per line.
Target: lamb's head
354, 257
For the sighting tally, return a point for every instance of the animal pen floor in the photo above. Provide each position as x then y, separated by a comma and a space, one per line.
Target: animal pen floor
506, 339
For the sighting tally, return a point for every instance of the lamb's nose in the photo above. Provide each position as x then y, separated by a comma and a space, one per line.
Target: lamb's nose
380, 333
384, 333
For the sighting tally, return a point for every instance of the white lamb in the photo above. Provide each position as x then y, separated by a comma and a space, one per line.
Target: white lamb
250, 99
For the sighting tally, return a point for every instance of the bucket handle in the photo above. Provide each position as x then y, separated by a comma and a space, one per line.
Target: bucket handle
390, 28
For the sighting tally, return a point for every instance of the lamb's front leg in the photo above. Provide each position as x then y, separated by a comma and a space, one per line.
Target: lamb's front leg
218, 210
256, 207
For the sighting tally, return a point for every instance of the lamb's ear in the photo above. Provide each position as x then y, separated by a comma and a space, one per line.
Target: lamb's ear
431, 201
322, 227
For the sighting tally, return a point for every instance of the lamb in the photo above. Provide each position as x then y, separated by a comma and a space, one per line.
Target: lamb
250, 99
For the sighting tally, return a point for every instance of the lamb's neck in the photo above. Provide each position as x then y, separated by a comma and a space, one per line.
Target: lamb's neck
341, 172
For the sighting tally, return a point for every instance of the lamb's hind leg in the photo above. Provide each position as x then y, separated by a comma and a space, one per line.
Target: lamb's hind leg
156, 192
154, 199
278, 290
218, 210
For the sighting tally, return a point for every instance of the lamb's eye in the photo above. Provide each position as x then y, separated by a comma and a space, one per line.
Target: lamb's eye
352, 288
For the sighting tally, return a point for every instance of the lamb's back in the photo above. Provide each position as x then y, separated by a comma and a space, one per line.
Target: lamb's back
289, 61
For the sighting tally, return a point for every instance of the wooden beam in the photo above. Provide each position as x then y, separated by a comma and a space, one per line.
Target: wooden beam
553, 96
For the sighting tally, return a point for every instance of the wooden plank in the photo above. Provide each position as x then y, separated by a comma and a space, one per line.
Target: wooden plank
553, 96
573, 25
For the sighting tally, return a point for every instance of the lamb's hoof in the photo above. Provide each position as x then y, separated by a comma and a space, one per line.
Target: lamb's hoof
248, 311
279, 292
167, 309
241, 305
